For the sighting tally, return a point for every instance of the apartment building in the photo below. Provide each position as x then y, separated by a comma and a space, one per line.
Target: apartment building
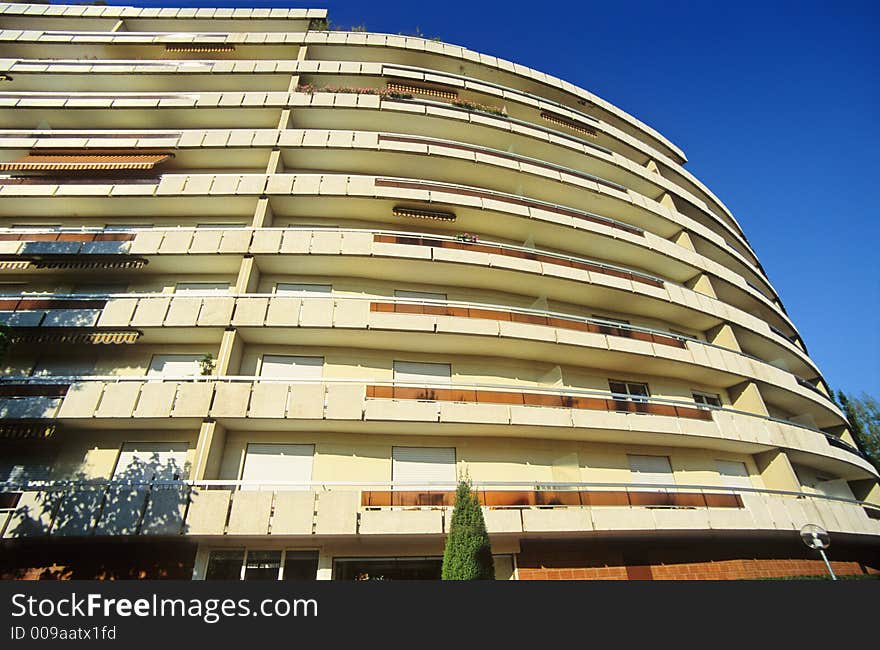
272, 288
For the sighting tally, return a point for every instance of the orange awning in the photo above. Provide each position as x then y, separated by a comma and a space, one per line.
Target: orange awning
62, 161
200, 47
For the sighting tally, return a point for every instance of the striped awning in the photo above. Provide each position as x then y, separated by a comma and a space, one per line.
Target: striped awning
14, 266
199, 47
96, 264
418, 213
412, 89
26, 430
80, 160
95, 338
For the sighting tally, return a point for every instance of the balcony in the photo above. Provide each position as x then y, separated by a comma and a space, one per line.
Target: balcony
379, 322
357, 405
217, 509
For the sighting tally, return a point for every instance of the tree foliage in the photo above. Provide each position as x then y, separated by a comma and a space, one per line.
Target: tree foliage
5, 340
863, 413
468, 552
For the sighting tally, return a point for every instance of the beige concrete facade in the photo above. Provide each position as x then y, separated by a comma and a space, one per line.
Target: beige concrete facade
336, 285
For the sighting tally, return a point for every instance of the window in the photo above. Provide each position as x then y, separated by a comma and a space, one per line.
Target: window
422, 373
127, 226
291, 367
733, 473
300, 565
174, 365
24, 467
651, 469
201, 288
390, 568
823, 483
285, 288
152, 461
100, 289
278, 463
261, 564
429, 465
420, 295
54, 367
630, 390
707, 399
224, 565
609, 319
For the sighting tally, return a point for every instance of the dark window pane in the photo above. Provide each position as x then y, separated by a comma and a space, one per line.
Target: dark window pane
224, 565
262, 565
301, 565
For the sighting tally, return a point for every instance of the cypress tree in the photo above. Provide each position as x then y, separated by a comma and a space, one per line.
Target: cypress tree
468, 553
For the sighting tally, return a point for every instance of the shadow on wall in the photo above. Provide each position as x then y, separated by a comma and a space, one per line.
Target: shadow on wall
144, 499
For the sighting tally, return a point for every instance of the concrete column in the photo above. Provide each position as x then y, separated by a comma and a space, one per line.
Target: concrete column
248, 276
209, 451
776, 471
325, 566
275, 165
702, 284
747, 397
866, 490
284, 119
262, 214
682, 238
652, 166
229, 359
724, 336
668, 202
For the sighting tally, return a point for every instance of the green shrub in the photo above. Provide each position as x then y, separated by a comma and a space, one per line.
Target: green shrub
468, 552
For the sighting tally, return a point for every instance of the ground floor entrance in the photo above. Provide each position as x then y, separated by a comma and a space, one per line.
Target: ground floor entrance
403, 568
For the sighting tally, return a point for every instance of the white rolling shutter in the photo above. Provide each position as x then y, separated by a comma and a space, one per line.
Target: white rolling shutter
278, 462
417, 467
651, 469
148, 461
291, 367
23, 468
422, 373
174, 365
733, 473
419, 295
201, 288
284, 288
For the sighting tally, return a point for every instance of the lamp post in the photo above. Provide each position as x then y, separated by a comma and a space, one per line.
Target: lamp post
817, 538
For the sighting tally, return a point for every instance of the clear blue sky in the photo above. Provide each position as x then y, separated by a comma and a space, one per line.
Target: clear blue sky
774, 103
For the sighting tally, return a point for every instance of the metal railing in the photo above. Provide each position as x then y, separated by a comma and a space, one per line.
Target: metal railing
415, 485
508, 388
392, 299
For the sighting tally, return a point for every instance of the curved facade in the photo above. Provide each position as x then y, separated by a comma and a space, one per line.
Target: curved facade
272, 288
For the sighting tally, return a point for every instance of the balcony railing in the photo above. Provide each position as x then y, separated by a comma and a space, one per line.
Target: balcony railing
199, 396
39, 246
229, 508
37, 310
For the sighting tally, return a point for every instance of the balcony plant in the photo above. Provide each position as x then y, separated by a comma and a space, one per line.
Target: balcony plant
311, 89
468, 552
207, 364
480, 108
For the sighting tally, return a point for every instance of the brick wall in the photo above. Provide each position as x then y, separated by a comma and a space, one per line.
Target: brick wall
720, 570
687, 559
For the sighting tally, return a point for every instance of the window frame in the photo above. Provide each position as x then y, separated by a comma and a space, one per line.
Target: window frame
628, 395
706, 396
246, 550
